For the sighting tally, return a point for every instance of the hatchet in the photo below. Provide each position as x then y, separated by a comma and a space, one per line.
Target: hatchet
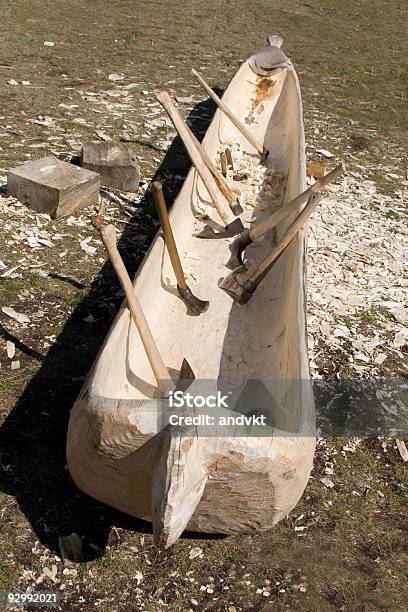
196, 305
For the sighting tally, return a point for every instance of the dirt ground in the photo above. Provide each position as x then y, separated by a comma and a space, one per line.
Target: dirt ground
345, 545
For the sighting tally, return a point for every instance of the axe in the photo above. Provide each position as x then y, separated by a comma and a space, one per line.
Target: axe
242, 283
233, 225
218, 177
165, 383
248, 236
196, 305
233, 118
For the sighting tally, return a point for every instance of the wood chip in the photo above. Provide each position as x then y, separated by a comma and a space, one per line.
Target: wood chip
402, 449
102, 135
185, 100
89, 250
195, 552
17, 316
315, 169
116, 77
11, 349
47, 572
329, 484
325, 153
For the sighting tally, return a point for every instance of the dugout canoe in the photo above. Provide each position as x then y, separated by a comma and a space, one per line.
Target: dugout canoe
176, 477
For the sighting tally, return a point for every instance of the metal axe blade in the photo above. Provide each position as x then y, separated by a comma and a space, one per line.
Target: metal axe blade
194, 303
241, 292
230, 230
237, 249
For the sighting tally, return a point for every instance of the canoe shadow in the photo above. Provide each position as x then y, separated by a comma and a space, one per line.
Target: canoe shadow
33, 436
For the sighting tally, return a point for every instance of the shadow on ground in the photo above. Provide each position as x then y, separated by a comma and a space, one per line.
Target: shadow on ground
32, 439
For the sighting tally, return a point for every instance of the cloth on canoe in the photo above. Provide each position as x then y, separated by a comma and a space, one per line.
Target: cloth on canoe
267, 60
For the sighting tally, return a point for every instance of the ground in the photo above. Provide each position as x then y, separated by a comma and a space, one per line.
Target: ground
344, 546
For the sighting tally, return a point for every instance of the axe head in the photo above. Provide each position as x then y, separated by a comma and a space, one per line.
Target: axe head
196, 305
186, 376
237, 248
264, 155
237, 208
232, 229
240, 291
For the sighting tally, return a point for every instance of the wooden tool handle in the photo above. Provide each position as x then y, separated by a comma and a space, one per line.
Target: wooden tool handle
218, 199
168, 233
160, 371
218, 177
223, 161
257, 273
272, 221
238, 124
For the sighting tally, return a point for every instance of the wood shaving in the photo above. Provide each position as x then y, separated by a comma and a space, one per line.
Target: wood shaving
258, 186
357, 287
17, 316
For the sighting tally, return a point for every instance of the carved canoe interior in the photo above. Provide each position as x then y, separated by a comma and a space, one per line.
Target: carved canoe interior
181, 481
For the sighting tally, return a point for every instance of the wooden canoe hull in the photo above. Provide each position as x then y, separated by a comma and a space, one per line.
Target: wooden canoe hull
176, 479
220, 485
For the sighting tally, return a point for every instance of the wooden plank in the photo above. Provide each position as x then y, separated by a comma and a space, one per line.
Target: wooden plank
49, 185
115, 162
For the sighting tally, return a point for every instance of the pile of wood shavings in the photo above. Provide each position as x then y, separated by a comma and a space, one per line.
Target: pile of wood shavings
357, 290
256, 185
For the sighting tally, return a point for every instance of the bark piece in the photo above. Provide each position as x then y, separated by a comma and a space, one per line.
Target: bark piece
49, 185
315, 169
115, 162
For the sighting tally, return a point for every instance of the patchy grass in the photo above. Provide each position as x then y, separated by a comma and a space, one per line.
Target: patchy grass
8, 575
10, 289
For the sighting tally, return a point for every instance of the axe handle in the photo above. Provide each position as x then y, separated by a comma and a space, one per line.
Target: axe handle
221, 105
216, 196
223, 162
108, 233
168, 233
254, 276
218, 177
272, 221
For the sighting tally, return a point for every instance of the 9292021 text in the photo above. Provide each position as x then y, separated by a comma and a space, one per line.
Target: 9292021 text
18, 598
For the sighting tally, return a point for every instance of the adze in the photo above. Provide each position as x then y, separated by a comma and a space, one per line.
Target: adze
241, 283
165, 382
248, 236
196, 305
